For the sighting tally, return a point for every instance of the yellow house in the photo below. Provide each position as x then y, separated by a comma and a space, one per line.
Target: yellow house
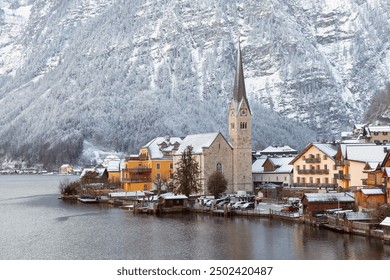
315, 166
152, 167
65, 169
114, 171
357, 163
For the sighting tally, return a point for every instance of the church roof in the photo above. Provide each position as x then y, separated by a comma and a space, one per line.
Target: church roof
239, 93
198, 142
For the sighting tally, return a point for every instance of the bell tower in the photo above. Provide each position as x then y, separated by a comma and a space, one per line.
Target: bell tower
240, 131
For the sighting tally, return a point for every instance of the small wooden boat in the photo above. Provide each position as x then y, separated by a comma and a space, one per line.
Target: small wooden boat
88, 199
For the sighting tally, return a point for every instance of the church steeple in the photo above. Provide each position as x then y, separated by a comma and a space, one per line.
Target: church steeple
239, 93
240, 132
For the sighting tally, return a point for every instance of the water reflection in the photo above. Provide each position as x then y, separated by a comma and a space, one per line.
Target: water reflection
40, 226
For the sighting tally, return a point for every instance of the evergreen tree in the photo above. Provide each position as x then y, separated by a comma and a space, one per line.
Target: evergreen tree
186, 177
216, 183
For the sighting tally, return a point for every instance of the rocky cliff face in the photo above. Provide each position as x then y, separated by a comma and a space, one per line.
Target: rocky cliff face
118, 73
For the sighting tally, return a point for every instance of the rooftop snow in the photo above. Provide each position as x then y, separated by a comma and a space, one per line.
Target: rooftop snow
365, 153
155, 151
371, 191
198, 142
330, 197
386, 222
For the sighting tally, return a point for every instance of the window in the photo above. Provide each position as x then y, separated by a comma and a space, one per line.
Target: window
232, 125
325, 166
325, 157
158, 176
298, 180
158, 166
298, 167
219, 167
145, 187
243, 125
318, 181
171, 165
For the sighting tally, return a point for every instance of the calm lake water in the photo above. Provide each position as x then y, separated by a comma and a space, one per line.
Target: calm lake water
35, 224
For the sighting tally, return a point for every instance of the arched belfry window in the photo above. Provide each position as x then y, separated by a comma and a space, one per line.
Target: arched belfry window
219, 167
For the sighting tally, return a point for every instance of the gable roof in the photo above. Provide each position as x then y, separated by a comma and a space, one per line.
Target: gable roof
198, 142
327, 148
282, 165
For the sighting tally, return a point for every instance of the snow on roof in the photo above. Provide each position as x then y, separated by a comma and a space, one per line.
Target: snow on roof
282, 164
85, 170
365, 153
355, 216
277, 149
372, 191
173, 196
383, 128
329, 197
329, 149
157, 146
65, 166
127, 194
114, 165
386, 222
257, 166
198, 142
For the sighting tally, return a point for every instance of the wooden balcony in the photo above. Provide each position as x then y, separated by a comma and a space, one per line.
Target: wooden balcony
313, 171
313, 160
136, 180
342, 176
138, 170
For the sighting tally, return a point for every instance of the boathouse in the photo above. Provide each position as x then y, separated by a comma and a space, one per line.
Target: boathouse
318, 203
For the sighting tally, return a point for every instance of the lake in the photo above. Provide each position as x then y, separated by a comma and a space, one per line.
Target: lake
36, 225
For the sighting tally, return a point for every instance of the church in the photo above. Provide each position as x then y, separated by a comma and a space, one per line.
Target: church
233, 156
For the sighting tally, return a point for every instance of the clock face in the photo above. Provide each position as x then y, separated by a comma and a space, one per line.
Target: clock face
243, 112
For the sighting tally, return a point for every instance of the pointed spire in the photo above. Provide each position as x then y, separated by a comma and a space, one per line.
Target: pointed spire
239, 93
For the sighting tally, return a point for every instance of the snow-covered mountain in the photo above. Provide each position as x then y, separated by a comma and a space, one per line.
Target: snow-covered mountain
117, 73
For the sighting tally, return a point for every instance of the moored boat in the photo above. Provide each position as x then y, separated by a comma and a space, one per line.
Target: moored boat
88, 199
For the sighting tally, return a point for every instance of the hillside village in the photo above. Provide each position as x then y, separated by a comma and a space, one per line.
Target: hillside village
350, 176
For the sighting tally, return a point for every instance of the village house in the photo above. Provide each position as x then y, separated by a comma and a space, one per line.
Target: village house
355, 161
65, 169
114, 171
152, 167
94, 176
369, 199
272, 170
378, 134
314, 167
